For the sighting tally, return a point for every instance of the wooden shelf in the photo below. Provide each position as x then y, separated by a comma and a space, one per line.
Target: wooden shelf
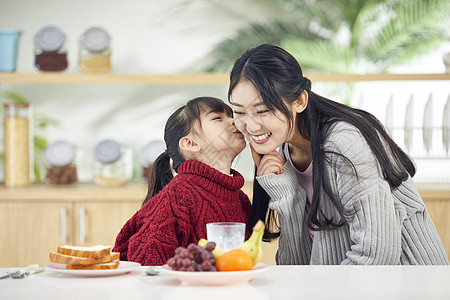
192, 79
75, 192
78, 78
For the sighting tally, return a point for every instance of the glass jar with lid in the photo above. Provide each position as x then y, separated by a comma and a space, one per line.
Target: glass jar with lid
94, 51
113, 163
149, 154
61, 163
50, 54
18, 144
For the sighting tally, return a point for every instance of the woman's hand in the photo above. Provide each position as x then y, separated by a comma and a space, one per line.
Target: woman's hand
271, 162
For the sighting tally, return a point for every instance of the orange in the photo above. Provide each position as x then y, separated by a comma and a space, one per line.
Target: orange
234, 260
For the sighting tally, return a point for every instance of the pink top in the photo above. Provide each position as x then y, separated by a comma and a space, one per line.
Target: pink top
304, 179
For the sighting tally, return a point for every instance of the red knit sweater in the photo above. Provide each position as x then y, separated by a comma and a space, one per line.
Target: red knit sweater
178, 214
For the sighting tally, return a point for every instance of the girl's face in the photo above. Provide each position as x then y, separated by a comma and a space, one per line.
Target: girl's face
266, 130
219, 137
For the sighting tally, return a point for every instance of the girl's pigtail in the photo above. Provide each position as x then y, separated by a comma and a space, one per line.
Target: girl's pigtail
160, 175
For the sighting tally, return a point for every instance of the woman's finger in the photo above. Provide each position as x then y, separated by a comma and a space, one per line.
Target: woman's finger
271, 163
267, 169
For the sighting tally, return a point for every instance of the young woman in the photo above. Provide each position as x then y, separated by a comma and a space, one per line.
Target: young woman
202, 142
340, 186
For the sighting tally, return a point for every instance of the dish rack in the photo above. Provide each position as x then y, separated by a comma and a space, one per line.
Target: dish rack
428, 145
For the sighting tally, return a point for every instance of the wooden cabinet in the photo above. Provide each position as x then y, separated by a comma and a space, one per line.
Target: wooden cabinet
99, 223
436, 197
36, 220
29, 230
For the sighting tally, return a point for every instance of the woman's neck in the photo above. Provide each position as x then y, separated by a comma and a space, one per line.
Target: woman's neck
300, 152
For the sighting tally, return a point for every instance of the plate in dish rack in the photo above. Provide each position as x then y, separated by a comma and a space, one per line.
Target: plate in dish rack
216, 278
124, 267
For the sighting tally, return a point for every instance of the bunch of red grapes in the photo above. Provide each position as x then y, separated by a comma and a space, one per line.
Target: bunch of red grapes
194, 258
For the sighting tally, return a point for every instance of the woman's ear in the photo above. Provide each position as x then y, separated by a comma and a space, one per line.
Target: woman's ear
187, 143
301, 103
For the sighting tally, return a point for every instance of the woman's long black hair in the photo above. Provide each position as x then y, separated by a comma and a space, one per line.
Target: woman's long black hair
179, 124
278, 78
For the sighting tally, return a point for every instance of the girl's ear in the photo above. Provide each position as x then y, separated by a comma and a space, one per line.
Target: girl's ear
187, 143
301, 103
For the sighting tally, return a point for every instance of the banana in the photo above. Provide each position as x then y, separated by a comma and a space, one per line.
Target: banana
253, 246
217, 252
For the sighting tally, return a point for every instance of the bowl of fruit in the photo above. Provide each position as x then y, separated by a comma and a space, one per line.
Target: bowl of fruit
206, 264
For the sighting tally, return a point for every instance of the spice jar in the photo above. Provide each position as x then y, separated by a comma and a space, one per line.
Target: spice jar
17, 144
95, 54
149, 154
61, 166
113, 163
49, 52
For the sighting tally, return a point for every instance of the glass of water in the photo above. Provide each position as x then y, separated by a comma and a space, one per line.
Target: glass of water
226, 235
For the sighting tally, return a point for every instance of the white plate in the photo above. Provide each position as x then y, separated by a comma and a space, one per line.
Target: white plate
124, 267
216, 278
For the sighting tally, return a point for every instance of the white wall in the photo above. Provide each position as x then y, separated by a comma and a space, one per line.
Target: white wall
155, 37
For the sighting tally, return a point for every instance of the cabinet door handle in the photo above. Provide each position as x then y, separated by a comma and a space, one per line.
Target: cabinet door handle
63, 226
82, 225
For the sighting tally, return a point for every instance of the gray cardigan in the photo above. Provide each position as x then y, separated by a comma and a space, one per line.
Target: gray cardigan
388, 227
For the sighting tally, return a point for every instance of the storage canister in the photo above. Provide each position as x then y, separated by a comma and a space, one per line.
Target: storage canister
60, 161
18, 144
95, 53
50, 54
9, 41
149, 154
113, 163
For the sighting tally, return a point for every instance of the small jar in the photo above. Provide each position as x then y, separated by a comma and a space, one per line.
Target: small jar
61, 165
18, 144
113, 163
49, 52
149, 154
95, 53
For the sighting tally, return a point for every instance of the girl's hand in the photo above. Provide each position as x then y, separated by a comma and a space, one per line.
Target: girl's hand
271, 162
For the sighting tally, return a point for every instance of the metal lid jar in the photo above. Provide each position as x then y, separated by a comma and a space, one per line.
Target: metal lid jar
94, 51
50, 54
113, 163
149, 154
61, 163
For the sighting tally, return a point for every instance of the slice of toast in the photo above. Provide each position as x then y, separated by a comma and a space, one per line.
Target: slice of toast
87, 252
86, 258
76, 260
103, 266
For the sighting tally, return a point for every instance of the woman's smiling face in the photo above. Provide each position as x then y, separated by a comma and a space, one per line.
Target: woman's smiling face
266, 130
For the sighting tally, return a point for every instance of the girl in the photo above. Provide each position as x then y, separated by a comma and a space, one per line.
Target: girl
202, 142
340, 186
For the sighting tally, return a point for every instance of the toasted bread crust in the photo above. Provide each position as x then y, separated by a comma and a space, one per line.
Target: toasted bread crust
74, 260
87, 252
104, 266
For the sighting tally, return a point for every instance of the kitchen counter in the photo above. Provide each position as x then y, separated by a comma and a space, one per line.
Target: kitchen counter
278, 282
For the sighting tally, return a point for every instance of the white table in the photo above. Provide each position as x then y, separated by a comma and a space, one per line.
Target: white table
278, 282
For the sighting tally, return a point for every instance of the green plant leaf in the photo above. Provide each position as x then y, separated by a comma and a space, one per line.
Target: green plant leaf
228, 51
14, 96
411, 20
316, 55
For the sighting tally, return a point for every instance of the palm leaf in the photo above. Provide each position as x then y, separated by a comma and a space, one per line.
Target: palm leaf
412, 19
226, 53
412, 50
316, 55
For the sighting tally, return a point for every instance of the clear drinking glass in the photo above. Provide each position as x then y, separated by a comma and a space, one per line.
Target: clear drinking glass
226, 235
